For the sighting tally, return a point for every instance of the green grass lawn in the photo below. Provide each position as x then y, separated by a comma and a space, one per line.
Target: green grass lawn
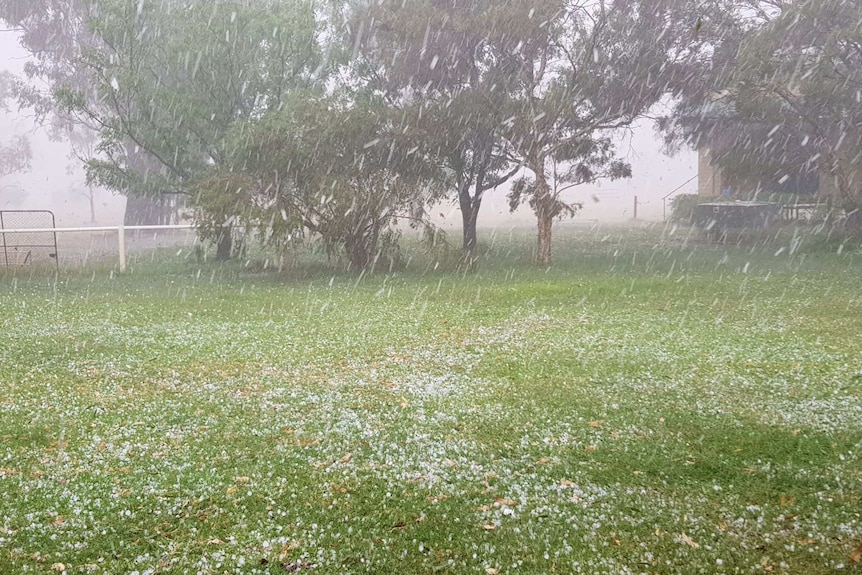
646, 405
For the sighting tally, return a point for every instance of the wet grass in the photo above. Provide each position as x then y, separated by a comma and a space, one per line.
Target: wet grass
648, 404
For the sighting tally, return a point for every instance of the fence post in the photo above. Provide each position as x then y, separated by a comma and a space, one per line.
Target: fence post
5, 252
121, 241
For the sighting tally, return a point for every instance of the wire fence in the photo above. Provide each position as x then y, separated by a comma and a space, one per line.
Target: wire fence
79, 246
35, 244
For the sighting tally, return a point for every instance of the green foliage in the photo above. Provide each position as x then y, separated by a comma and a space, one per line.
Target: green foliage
682, 207
574, 73
168, 82
538, 85
432, 59
345, 174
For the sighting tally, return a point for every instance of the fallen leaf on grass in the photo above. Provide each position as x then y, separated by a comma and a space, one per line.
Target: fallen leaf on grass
491, 571
506, 502
58, 567
596, 423
856, 555
591, 448
347, 458
689, 541
489, 527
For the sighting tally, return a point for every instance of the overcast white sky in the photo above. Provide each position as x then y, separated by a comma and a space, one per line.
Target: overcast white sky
50, 186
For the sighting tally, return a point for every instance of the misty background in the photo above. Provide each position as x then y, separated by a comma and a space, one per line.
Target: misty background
56, 180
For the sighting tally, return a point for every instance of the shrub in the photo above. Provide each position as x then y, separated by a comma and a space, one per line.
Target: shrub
682, 207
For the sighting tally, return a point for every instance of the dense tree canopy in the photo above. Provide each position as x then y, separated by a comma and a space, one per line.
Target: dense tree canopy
163, 82
345, 173
434, 60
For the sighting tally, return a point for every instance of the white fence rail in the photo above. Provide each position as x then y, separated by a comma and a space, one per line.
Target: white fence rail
121, 234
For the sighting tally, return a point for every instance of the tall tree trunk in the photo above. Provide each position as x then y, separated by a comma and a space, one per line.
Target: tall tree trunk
358, 255
469, 218
544, 207
543, 247
92, 197
224, 244
147, 211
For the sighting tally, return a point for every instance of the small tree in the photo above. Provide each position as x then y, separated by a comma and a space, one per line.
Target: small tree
339, 171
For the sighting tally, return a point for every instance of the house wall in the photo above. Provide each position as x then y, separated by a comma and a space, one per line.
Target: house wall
828, 186
708, 176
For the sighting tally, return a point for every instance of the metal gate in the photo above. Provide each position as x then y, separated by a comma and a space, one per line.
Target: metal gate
35, 243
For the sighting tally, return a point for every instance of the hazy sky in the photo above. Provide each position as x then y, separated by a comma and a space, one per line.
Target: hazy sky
50, 186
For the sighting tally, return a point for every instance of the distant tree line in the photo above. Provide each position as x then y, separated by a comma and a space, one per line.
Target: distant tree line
15, 152
339, 119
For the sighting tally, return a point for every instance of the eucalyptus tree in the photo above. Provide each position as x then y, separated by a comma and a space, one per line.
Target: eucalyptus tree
164, 81
575, 72
54, 33
338, 168
432, 60
169, 79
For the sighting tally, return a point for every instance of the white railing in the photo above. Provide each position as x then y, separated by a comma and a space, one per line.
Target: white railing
121, 234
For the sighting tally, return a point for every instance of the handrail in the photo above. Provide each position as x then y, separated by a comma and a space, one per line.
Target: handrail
675, 190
